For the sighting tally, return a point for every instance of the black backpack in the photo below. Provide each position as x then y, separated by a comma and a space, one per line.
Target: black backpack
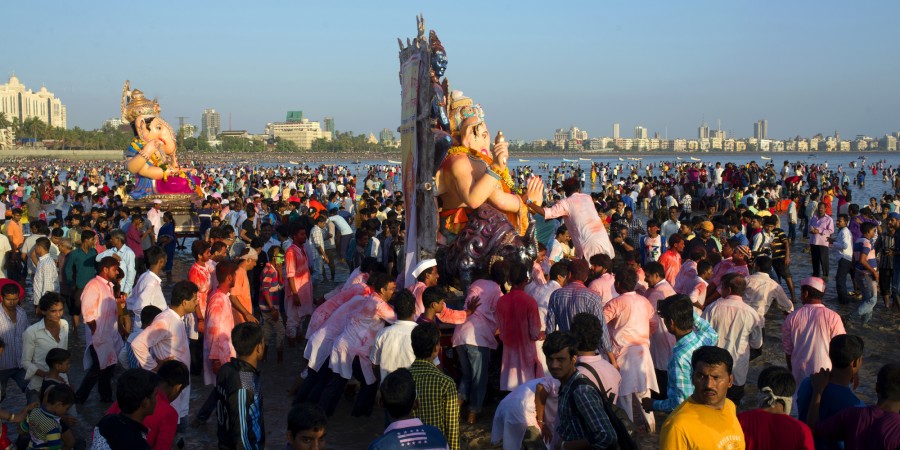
625, 429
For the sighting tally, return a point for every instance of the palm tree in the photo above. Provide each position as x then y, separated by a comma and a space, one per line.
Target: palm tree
4, 122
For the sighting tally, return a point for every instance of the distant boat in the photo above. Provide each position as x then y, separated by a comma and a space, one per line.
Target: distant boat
524, 160
635, 159
294, 163
357, 161
765, 158
584, 159
394, 162
621, 159
569, 160
678, 158
695, 159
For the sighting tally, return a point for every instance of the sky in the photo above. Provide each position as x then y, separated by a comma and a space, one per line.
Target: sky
805, 66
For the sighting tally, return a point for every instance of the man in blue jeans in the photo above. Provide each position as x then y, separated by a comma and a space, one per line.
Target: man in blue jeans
865, 261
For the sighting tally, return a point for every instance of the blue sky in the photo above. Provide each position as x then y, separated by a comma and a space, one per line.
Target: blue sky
805, 66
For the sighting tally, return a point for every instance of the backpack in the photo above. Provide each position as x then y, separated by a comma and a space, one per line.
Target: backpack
625, 429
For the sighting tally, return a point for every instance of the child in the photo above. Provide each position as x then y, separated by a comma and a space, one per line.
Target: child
58, 362
43, 425
306, 427
698, 293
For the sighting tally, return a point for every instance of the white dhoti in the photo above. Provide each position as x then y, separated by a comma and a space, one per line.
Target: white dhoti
638, 379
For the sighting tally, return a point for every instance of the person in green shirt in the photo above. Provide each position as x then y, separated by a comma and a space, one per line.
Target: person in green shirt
79, 269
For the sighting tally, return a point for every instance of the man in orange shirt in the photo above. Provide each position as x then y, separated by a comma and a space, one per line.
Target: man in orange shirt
14, 230
240, 293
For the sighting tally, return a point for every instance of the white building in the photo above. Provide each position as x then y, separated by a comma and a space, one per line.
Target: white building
18, 102
302, 133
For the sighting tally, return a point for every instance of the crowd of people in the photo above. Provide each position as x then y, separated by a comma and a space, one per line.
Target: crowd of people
589, 347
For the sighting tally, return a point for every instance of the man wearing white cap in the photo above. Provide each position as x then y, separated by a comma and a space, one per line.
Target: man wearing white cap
807, 331
155, 216
426, 274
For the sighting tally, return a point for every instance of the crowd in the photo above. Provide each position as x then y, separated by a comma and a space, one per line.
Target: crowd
587, 348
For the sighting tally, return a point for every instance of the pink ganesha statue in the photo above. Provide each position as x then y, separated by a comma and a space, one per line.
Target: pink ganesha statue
151, 155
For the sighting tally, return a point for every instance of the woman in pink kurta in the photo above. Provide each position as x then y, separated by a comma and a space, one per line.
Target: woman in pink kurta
520, 327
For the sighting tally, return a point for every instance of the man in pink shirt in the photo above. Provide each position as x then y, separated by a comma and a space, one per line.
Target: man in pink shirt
520, 327
351, 351
585, 226
661, 341
687, 275
299, 290
217, 348
807, 331
602, 264
631, 320
102, 341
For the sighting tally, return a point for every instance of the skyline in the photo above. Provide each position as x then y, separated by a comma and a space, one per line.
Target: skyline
807, 68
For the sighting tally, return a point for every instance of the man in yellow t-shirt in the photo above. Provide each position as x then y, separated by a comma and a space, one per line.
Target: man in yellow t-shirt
707, 420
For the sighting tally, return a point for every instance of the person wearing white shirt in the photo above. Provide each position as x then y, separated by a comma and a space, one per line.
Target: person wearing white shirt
672, 225
4, 249
148, 290
126, 258
739, 326
842, 245
52, 331
46, 276
762, 290
393, 344
166, 338
154, 216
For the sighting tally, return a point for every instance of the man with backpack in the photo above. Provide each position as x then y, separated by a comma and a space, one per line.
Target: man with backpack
583, 419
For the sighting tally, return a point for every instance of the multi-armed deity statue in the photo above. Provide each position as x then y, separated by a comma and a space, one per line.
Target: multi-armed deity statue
483, 216
151, 155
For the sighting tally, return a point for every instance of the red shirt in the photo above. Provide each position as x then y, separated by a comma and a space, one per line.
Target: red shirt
765, 430
162, 424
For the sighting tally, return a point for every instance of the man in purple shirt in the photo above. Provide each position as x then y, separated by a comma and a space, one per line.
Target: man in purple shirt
821, 226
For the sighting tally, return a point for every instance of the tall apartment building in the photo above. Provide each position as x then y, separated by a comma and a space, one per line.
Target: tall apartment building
18, 102
615, 131
210, 124
761, 129
640, 132
703, 131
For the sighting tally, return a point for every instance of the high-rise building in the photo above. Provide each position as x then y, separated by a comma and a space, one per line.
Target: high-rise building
703, 131
210, 124
329, 125
23, 104
640, 132
615, 131
386, 136
761, 129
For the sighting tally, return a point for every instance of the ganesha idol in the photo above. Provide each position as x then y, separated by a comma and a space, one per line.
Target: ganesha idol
151, 155
484, 215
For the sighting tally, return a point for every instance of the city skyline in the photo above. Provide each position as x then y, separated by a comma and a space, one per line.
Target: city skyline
747, 61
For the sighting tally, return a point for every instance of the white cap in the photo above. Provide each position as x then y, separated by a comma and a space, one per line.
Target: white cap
157, 202
225, 202
250, 255
814, 282
423, 266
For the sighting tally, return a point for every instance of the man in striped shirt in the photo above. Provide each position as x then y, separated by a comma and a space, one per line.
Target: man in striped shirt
691, 332
576, 298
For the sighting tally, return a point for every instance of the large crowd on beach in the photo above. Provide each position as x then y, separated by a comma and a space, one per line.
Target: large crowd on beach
583, 349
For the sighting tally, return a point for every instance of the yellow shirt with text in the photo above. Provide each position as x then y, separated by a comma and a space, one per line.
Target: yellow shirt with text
693, 426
